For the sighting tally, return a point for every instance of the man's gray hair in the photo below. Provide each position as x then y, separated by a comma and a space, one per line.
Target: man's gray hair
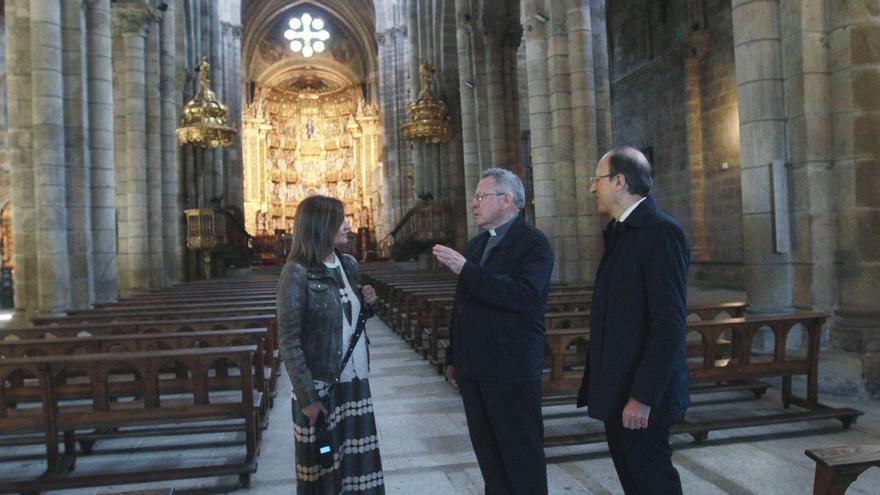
507, 181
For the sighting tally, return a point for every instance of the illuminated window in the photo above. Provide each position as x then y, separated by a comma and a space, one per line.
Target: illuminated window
307, 35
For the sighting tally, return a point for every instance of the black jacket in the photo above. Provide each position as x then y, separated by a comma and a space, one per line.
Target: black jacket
497, 329
637, 322
309, 310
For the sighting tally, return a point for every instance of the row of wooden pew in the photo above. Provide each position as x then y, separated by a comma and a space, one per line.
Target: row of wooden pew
198, 360
725, 347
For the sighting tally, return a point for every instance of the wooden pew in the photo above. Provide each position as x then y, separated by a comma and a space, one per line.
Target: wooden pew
17, 393
838, 467
158, 327
741, 363
153, 314
57, 418
175, 306
184, 299
418, 322
567, 334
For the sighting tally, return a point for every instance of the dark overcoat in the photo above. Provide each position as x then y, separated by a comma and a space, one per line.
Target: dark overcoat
637, 322
497, 328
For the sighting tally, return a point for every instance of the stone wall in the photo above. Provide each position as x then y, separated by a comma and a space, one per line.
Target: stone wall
673, 89
648, 98
721, 161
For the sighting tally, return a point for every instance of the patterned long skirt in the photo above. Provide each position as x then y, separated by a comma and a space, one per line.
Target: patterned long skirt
357, 465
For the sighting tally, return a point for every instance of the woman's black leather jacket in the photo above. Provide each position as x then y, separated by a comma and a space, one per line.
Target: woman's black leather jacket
309, 319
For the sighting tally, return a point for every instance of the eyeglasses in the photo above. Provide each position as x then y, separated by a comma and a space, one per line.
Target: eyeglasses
479, 197
594, 180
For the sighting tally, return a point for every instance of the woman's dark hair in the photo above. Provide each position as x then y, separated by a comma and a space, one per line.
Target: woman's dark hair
634, 166
315, 225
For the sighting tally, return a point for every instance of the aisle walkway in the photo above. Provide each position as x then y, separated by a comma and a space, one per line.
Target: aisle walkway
425, 447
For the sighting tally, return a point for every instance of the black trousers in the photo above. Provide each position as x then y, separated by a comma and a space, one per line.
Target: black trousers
507, 432
643, 459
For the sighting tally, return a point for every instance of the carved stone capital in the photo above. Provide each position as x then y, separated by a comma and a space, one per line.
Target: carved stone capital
234, 29
388, 36
133, 18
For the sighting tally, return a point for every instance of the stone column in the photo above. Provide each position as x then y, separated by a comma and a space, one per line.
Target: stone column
19, 110
697, 41
100, 122
154, 153
469, 140
120, 144
855, 77
757, 51
602, 85
77, 158
492, 33
417, 55
540, 120
566, 242
451, 180
53, 268
397, 170
481, 101
232, 84
172, 246
583, 124
133, 221
808, 106
512, 98
215, 165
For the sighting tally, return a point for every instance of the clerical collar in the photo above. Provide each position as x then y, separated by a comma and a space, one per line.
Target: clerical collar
503, 228
630, 210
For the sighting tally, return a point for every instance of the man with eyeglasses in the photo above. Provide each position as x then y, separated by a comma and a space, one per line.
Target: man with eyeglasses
636, 378
496, 338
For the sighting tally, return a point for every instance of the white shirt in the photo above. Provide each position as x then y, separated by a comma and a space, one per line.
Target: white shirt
630, 210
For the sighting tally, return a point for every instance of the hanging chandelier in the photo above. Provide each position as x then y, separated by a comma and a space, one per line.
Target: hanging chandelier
204, 118
429, 121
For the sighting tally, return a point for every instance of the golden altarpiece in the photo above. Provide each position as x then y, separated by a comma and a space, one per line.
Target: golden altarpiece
300, 143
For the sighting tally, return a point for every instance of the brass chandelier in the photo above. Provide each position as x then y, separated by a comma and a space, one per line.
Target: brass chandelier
430, 123
204, 118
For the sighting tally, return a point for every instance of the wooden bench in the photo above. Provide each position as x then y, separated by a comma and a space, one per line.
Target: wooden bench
425, 318
567, 335
184, 299
740, 363
838, 467
176, 306
154, 314
16, 393
57, 418
158, 327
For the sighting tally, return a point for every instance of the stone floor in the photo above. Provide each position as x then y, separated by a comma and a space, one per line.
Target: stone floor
425, 447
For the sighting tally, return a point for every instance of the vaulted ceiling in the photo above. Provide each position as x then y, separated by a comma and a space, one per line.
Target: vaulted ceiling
349, 59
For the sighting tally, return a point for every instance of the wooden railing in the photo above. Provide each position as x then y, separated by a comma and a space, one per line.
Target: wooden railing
424, 225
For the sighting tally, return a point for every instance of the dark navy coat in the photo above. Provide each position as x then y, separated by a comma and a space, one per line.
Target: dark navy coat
497, 329
637, 322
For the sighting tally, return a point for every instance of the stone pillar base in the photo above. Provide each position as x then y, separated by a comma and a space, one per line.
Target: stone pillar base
856, 331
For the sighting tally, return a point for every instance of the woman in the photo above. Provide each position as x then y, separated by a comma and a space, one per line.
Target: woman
319, 304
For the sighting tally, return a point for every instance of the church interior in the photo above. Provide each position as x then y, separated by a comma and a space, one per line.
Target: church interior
160, 148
